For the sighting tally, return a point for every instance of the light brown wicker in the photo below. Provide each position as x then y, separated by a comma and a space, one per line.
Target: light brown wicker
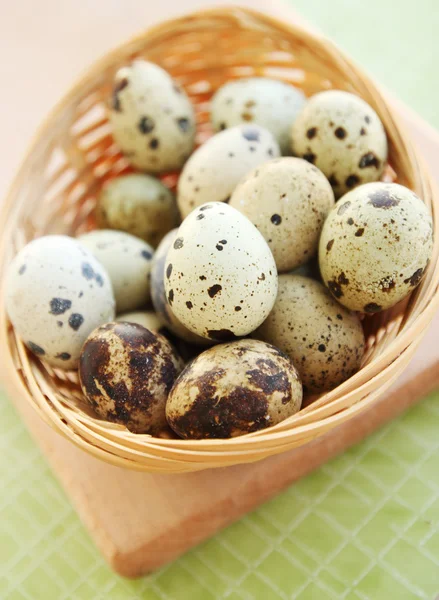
73, 154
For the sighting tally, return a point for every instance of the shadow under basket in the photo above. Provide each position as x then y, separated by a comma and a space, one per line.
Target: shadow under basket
73, 155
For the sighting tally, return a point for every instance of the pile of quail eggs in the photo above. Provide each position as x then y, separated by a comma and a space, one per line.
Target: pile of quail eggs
207, 314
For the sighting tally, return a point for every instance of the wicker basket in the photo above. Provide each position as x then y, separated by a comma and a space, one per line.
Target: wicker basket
72, 156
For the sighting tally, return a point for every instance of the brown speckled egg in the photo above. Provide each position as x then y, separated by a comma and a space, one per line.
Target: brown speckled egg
152, 119
288, 200
158, 294
323, 339
343, 136
232, 389
126, 373
375, 246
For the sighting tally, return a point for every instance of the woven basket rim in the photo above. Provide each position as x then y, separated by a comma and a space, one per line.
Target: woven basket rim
118, 446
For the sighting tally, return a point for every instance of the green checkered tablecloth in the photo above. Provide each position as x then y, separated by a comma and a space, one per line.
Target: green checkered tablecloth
365, 526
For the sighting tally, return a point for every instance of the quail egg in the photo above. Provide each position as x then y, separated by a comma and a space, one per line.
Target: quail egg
147, 318
137, 204
220, 275
126, 373
127, 260
324, 340
375, 246
288, 200
152, 119
232, 389
56, 294
158, 294
268, 102
215, 168
343, 136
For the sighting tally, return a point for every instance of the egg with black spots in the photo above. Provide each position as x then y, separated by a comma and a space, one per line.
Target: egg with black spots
288, 200
324, 340
158, 293
126, 373
233, 389
215, 168
56, 293
127, 260
271, 103
137, 204
375, 246
221, 277
152, 119
343, 136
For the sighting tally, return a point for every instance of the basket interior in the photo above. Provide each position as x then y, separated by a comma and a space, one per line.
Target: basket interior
75, 155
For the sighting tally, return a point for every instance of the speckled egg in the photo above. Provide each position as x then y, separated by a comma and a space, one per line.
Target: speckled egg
137, 204
56, 293
220, 275
152, 119
126, 373
146, 318
268, 102
215, 168
158, 294
233, 389
375, 246
324, 340
288, 200
127, 260
343, 136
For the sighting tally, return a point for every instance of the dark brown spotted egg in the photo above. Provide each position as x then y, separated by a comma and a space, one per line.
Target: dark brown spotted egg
152, 119
158, 294
137, 204
126, 373
215, 168
233, 389
288, 200
268, 102
375, 246
324, 340
220, 275
56, 293
343, 136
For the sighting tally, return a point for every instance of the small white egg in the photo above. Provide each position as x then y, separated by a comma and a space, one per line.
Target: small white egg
215, 168
147, 318
56, 294
127, 260
220, 275
267, 102
152, 118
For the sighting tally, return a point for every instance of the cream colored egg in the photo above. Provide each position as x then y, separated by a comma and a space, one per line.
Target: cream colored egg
343, 136
137, 204
147, 318
127, 260
220, 275
324, 340
233, 389
152, 119
288, 200
56, 293
215, 168
158, 294
375, 246
267, 102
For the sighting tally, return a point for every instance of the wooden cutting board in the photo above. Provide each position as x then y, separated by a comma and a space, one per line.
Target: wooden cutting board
141, 521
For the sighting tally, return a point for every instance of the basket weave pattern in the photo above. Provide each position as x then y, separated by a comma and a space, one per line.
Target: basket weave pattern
73, 155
